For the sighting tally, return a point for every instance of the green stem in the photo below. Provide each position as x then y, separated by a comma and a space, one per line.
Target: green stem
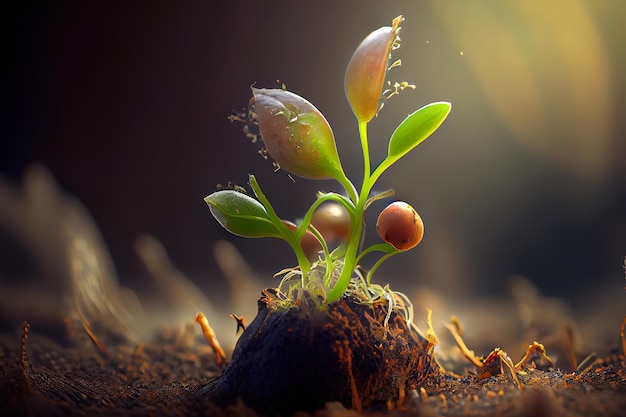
350, 188
373, 269
356, 223
306, 225
338, 198
356, 228
379, 247
327, 258
367, 168
386, 163
289, 236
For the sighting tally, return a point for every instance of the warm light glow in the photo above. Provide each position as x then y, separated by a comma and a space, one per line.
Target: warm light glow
545, 70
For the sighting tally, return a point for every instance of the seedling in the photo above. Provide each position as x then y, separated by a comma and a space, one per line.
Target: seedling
300, 141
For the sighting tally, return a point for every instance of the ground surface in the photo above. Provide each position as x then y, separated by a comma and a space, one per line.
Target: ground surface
161, 379
72, 287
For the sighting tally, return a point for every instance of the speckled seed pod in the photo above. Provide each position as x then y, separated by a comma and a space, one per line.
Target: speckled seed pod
296, 134
400, 226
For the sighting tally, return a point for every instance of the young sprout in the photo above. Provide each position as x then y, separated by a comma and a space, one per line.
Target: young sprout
300, 140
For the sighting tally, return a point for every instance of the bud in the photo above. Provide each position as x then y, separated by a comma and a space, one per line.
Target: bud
400, 226
296, 134
367, 68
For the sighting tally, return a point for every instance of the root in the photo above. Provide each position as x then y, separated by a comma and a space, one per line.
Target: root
210, 337
100, 347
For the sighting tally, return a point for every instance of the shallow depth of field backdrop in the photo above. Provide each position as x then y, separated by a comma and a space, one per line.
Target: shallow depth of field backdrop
127, 104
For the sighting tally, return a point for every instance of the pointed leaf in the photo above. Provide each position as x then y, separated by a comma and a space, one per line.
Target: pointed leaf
240, 214
378, 196
415, 128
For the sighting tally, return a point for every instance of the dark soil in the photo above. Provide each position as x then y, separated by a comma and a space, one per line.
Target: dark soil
169, 378
305, 356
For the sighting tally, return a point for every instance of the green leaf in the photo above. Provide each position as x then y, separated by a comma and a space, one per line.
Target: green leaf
240, 214
378, 196
415, 128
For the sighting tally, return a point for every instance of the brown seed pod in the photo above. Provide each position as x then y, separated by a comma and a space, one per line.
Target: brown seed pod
400, 226
332, 221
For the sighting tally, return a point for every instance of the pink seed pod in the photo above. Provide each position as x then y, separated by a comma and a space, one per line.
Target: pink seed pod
400, 226
367, 68
296, 134
332, 221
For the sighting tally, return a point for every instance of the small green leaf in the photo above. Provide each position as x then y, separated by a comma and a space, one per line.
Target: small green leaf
378, 196
240, 214
415, 128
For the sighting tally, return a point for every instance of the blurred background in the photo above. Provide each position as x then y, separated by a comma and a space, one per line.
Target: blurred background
127, 105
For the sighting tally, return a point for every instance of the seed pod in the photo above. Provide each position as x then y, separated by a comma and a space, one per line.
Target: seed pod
332, 221
367, 68
296, 134
400, 226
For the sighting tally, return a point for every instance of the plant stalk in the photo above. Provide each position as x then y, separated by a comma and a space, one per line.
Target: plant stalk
356, 223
